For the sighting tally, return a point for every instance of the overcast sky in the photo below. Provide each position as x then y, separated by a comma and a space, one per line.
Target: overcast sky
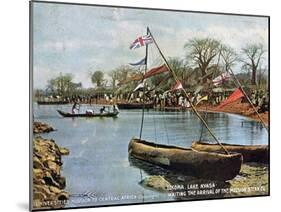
81, 39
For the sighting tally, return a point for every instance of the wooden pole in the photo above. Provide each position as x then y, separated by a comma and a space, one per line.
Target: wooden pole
143, 98
192, 106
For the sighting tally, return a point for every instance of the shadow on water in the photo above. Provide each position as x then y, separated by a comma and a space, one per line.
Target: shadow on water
180, 182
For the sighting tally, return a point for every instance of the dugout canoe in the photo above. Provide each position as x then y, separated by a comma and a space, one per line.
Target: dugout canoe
52, 102
70, 115
129, 106
204, 165
175, 109
251, 153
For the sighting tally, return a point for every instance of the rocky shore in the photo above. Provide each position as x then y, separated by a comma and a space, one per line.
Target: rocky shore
48, 184
39, 127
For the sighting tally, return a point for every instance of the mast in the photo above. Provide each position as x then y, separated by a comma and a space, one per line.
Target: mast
187, 97
143, 97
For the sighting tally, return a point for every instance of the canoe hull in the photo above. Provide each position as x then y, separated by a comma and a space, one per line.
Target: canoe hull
129, 106
213, 166
52, 103
70, 115
251, 153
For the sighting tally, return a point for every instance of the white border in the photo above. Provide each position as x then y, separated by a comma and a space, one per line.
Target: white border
14, 103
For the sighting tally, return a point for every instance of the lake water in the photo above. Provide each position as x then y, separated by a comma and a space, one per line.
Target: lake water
98, 171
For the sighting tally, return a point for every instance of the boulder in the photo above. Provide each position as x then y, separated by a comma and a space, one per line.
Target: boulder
64, 151
156, 182
39, 127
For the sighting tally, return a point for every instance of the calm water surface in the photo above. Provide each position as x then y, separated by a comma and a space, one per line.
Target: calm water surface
98, 171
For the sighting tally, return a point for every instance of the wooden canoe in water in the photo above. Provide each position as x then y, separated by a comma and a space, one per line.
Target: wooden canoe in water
205, 165
129, 106
69, 115
251, 153
52, 102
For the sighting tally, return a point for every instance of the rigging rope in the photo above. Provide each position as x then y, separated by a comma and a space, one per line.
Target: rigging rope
248, 99
166, 130
202, 126
155, 135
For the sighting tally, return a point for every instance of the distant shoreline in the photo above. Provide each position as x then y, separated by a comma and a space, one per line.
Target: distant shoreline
237, 107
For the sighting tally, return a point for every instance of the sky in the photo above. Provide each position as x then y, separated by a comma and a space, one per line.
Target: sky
79, 39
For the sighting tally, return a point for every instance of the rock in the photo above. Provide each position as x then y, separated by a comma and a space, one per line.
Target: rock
43, 189
62, 182
38, 173
37, 181
53, 166
63, 196
37, 163
64, 151
156, 182
55, 190
38, 196
48, 178
39, 127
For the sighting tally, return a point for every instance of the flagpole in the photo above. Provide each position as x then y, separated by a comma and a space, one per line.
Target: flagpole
248, 99
143, 98
192, 106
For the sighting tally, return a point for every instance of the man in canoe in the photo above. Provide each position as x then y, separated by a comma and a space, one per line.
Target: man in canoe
75, 107
115, 109
102, 110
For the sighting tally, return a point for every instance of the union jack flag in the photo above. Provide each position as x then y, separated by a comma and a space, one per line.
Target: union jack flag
141, 41
221, 79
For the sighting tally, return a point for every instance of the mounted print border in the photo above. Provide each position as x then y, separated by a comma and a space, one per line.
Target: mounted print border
136, 105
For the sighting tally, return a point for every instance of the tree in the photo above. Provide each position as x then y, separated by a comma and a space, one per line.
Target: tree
202, 52
177, 66
253, 55
180, 69
63, 85
97, 78
262, 77
114, 77
229, 57
125, 74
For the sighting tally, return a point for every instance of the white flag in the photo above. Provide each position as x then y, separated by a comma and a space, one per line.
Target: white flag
141, 85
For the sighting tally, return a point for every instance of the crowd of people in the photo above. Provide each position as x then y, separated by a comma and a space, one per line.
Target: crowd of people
259, 98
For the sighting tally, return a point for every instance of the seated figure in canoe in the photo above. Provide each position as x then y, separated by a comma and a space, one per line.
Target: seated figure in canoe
90, 111
102, 110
